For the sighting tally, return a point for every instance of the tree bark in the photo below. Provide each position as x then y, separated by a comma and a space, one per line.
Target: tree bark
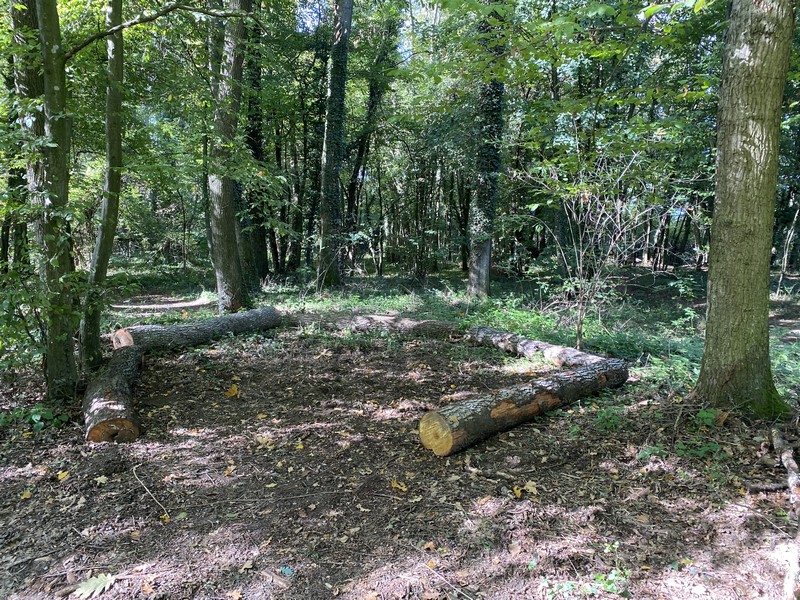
49, 184
108, 402
488, 163
474, 419
330, 260
91, 355
231, 288
735, 371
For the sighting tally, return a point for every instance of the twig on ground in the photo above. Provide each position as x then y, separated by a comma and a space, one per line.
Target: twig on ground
146, 489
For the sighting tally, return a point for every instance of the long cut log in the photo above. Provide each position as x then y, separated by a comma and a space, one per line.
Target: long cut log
192, 334
394, 324
469, 421
108, 402
562, 356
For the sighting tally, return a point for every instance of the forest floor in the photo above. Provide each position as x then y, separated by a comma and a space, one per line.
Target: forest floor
287, 465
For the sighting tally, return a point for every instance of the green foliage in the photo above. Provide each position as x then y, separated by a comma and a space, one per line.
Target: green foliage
609, 419
38, 417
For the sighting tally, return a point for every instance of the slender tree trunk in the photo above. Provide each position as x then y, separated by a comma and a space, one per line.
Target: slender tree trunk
255, 142
91, 353
329, 262
231, 287
488, 164
735, 371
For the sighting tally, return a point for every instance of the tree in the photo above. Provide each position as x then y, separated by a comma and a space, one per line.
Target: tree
231, 288
488, 162
90, 324
48, 180
735, 371
330, 260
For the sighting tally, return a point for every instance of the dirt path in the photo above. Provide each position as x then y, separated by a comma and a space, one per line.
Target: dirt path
307, 481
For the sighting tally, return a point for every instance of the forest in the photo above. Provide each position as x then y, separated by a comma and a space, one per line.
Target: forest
399, 299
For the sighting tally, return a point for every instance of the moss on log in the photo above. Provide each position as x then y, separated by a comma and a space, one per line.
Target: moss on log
464, 423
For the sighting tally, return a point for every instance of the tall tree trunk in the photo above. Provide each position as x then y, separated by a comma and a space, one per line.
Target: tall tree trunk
736, 371
48, 181
255, 142
488, 163
231, 287
329, 261
91, 354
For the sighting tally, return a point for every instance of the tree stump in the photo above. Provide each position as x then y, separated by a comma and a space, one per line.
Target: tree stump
469, 421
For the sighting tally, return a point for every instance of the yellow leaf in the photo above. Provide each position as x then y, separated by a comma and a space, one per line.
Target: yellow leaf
101, 480
530, 487
164, 518
62, 475
299, 446
270, 485
147, 589
517, 491
232, 391
184, 314
26, 494
236, 378
431, 564
229, 470
399, 485
645, 567
135, 534
261, 416
246, 566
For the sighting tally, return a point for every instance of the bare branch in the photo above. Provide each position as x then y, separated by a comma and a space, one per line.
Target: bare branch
165, 10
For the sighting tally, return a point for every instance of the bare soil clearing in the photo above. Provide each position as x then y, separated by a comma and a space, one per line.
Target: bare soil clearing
287, 465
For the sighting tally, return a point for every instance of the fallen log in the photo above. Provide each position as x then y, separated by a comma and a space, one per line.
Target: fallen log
108, 402
464, 423
791, 581
149, 337
394, 324
562, 356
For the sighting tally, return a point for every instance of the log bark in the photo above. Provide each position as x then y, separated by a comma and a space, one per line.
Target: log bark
394, 324
108, 402
791, 581
192, 334
469, 421
561, 356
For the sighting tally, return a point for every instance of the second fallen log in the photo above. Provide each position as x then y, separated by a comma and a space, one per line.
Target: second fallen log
464, 423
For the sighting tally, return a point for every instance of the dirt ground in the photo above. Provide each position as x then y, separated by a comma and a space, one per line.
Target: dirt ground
287, 465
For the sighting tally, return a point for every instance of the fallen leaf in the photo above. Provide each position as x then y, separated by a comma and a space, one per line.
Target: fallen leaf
62, 475
517, 491
164, 518
101, 480
246, 566
236, 378
261, 416
229, 470
147, 589
181, 516
299, 446
232, 391
26, 494
530, 487
234, 595
399, 485
270, 485
94, 586
429, 546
